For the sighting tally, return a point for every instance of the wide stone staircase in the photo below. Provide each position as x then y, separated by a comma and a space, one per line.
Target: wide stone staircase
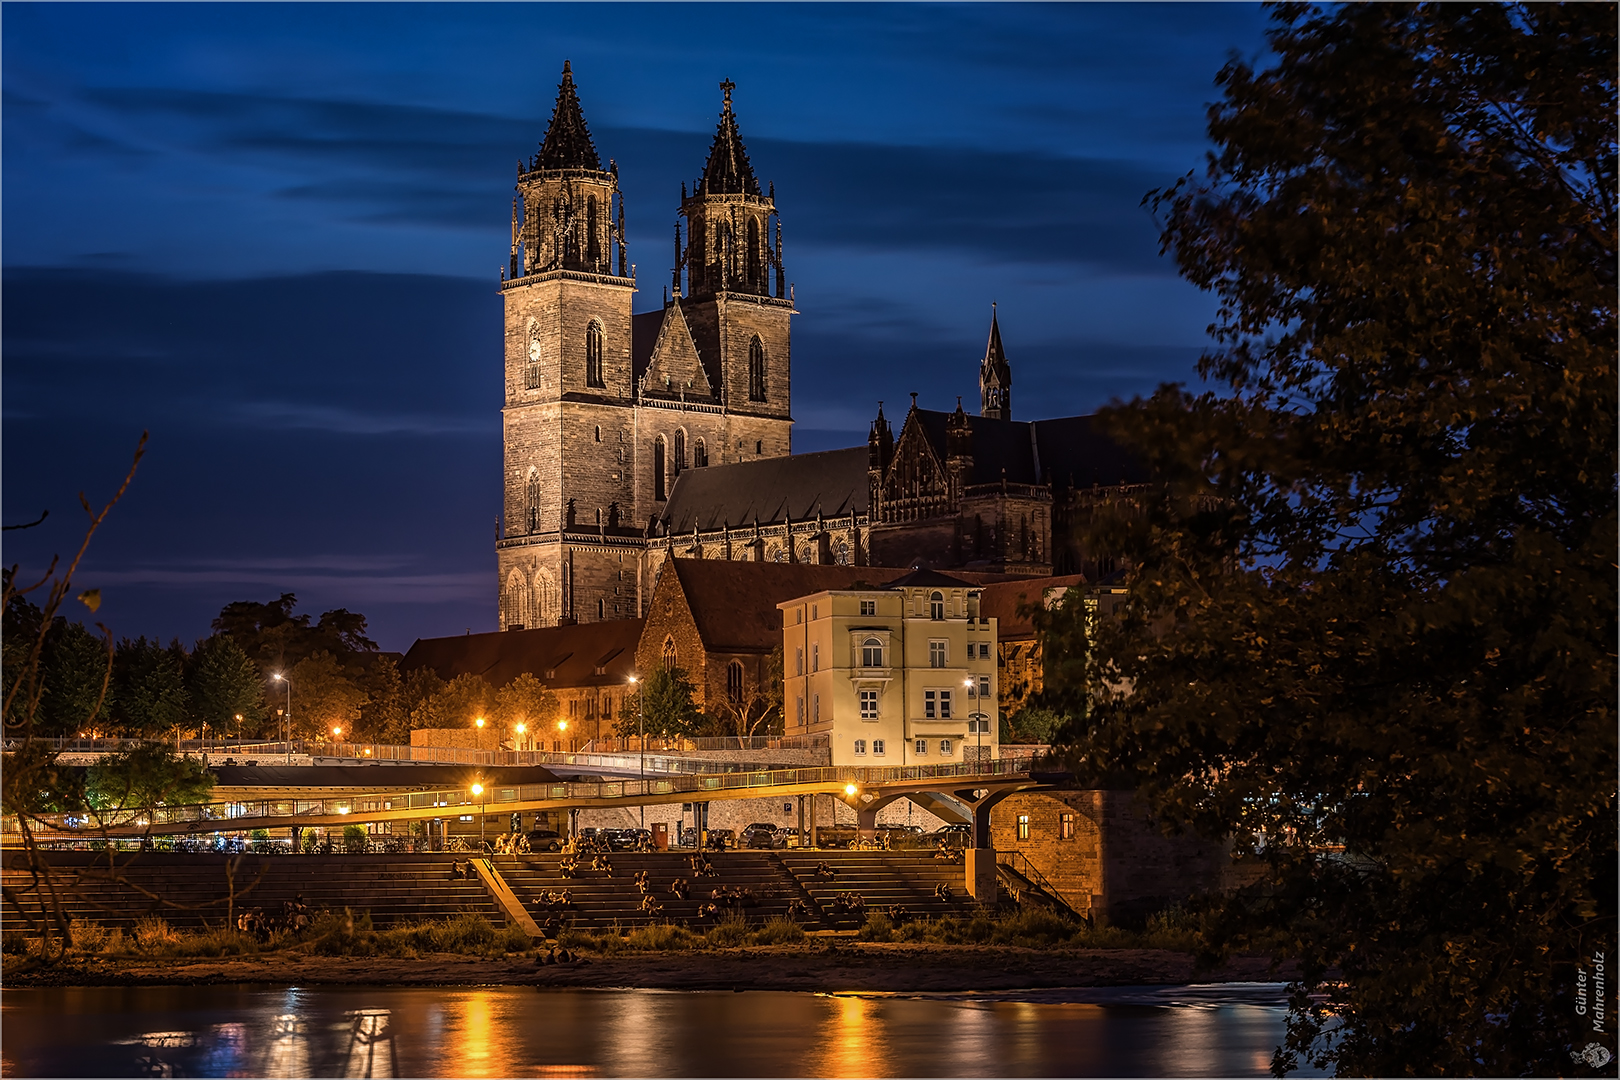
393, 888
884, 879
600, 901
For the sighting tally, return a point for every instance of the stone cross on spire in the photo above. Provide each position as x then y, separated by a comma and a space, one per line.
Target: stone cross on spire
726, 88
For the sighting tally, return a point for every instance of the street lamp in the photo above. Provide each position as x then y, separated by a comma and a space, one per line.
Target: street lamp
478, 791
287, 723
238, 727
336, 732
520, 728
562, 728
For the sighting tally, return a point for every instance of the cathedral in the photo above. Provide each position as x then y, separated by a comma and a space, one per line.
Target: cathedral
634, 438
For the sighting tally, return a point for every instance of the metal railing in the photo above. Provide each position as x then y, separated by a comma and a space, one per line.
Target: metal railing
245, 814
1019, 863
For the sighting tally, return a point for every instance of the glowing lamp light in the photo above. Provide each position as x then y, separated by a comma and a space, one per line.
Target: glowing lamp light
477, 789
336, 732
277, 677
850, 789
343, 809
521, 728
479, 721
562, 725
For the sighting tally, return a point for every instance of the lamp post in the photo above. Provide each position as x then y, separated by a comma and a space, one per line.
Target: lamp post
239, 727
641, 741
287, 722
520, 728
478, 792
562, 730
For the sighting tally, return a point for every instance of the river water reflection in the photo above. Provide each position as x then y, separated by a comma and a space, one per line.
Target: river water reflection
506, 1031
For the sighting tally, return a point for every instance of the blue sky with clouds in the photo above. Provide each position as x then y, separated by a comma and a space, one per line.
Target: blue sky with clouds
271, 234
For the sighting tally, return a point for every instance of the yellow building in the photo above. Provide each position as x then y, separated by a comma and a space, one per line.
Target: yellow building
901, 673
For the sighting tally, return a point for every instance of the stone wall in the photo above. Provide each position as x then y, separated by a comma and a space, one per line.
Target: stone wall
1117, 863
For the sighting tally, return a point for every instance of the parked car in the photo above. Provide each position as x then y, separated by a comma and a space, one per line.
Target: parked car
545, 840
765, 839
719, 839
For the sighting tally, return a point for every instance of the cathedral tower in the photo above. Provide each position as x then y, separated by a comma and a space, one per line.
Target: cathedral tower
567, 415
730, 282
995, 376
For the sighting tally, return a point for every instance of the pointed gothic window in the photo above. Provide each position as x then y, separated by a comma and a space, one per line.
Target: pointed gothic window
593, 355
679, 461
700, 454
531, 501
756, 370
593, 247
734, 682
669, 654
531, 368
658, 469
751, 266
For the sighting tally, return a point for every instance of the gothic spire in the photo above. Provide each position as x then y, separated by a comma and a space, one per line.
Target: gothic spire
728, 171
995, 376
568, 141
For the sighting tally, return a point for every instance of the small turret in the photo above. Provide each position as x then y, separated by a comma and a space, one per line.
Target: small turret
995, 376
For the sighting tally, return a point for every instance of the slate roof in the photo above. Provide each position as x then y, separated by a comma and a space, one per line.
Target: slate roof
833, 482
928, 579
560, 656
1073, 453
568, 141
728, 171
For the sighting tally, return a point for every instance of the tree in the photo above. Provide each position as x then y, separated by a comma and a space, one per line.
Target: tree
74, 668
662, 708
455, 704
758, 709
224, 684
324, 696
149, 688
277, 640
1374, 605
525, 700
122, 786
386, 717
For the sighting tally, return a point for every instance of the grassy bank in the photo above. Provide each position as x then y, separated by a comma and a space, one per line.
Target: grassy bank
344, 933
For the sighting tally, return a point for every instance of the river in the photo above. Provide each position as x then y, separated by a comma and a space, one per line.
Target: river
506, 1031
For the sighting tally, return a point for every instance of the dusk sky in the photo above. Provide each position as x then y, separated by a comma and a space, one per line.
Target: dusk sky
271, 235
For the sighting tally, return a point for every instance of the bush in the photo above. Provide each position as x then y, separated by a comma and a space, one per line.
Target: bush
879, 927
310, 842
92, 937
354, 839
155, 936
730, 933
780, 931
662, 937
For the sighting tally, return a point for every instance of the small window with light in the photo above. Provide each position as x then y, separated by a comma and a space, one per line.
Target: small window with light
1023, 826
1066, 826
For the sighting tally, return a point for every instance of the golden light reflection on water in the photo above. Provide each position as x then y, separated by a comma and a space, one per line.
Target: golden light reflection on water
474, 1050
853, 1039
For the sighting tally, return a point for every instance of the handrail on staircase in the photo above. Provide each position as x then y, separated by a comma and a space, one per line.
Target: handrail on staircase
1019, 863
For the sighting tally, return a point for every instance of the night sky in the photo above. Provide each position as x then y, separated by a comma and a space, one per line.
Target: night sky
271, 235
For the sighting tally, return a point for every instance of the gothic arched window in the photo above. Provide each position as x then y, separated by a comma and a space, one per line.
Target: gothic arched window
531, 367
700, 454
670, 657
593, 355
679, 461
593, 247
531, 501
659, 491
756, 370
751, 265
734, 682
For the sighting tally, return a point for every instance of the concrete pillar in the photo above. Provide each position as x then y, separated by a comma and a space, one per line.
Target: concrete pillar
815, 831
981, 824
981, 874
866, 823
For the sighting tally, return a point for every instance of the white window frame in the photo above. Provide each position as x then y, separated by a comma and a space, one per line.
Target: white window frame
868, 608
944, 748
939, 653
944, 704
928, 704
860, 747
869, 704
877, 748
920, 747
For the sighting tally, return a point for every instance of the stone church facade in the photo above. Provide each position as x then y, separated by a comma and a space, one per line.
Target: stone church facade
631, 438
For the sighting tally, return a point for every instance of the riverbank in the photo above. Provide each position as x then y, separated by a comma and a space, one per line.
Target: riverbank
828, 966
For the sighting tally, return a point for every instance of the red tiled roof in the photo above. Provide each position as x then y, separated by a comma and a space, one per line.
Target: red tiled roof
1000, 602
559, 656
734, 603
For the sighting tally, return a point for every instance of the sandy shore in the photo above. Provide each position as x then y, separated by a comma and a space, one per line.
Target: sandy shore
830, 967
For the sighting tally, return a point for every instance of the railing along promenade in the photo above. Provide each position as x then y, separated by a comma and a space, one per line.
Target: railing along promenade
236, 815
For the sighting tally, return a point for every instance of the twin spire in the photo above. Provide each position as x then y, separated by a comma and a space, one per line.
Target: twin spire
728, 171
568, 141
